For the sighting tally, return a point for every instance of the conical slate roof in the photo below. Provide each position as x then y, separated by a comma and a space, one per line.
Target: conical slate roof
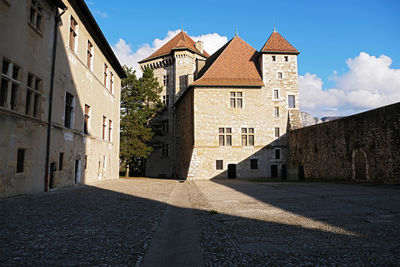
180, 41
234, 64
277, 44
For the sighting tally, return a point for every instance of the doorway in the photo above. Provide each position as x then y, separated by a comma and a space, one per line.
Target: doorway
53, 168
231, 171
77, 172
274, 171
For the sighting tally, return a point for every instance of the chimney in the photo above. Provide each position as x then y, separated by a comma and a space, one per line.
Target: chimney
199, 46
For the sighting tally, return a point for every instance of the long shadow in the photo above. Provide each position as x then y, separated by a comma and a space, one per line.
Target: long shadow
89, 225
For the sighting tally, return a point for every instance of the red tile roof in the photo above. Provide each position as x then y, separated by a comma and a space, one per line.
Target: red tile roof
180, 41
234, 64
277, 44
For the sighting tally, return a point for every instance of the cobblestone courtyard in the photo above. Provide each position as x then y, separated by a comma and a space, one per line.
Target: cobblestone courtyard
238, 223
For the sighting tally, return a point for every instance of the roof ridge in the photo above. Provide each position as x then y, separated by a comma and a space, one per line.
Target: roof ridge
223, 48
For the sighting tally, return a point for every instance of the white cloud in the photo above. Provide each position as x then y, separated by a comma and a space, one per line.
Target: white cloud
369, 83
212, 42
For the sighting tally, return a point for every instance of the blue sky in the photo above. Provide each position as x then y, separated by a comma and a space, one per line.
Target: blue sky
327, 33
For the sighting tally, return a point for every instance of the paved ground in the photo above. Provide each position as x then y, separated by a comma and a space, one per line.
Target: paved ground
152, 222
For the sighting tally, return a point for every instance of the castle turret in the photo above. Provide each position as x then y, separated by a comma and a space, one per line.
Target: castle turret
278, 66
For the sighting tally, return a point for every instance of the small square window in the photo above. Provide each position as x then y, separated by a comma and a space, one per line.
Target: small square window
221, 130
254, 164
219, 164
280, 75
286, 58
273, 58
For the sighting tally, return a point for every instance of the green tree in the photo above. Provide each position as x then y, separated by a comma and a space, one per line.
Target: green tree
140, 102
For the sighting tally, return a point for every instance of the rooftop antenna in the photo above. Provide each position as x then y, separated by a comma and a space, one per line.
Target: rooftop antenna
274, 25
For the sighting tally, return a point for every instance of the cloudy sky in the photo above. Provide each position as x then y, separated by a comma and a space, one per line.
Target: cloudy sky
350, 56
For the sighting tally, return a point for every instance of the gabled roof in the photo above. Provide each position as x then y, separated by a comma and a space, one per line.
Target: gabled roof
234, 64
180, 41
277, 44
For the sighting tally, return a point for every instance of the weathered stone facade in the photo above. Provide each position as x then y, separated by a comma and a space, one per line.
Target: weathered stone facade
76, 155
200, 111
364, 146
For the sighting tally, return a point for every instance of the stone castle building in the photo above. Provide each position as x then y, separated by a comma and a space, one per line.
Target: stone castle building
227, 114
59, 97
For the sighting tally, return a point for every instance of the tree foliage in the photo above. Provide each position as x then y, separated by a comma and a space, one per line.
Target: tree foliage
140, 101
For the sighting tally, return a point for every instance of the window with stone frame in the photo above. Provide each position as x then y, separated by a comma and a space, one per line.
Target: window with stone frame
33, 96
166, 80
225, 136
111, 82
236, 99
276, 94
73, 34
21, 153
280, 75
286, 58
247, 136
105, 74
254, 164
109, 130
86, 119
219, 164
103, 133
273, 58
35, 15
69, 107
89, 58
277, 132
277, 153
165, 150
10, 85
291, 101
166, 100
276, 111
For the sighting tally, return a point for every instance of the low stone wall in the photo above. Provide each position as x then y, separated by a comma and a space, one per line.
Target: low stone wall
364, 146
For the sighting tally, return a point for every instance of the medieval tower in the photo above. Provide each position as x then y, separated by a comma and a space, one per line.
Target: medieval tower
226, 115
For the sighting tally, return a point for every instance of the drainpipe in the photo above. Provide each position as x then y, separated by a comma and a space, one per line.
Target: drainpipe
53, 66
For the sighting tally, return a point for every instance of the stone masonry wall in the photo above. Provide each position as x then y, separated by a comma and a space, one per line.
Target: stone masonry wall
362, 146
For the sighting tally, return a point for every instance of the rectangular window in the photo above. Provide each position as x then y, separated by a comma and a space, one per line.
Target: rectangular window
14, 94
28, 102
105, 75
165, 150
236, 99
103, 134
20, 160
33, 96
225, 136
72, 33
291, 100
86, 119
254, 164
247, 136
3, 92
276, 111
167, 101
5, 67
219, 164
276, 94
277, 153
280, 75
36, 101
286, 58
277, 134
68, 109
61, 161
111, 82
273, 58
165, 126
166, 80
35, 17
109, 130
89, 55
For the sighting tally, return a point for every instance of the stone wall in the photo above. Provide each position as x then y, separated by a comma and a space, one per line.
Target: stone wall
364, 146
